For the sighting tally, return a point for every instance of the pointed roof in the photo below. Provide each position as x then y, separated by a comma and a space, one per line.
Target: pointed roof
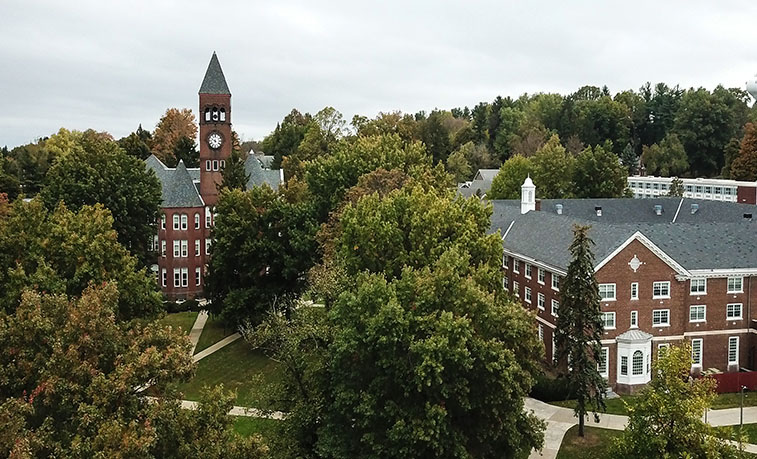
214, 81
178, 188
260, 175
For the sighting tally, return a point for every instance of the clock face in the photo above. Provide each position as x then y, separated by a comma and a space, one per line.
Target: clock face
215, 140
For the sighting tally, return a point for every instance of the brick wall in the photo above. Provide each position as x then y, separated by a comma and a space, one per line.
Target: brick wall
169, 262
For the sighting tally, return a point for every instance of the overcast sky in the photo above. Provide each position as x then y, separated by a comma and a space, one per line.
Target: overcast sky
111, 65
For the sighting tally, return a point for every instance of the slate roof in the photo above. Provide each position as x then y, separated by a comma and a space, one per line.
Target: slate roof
178, 187
214, 81
260, 175
715, 242
480, 185
486, 174
634, 335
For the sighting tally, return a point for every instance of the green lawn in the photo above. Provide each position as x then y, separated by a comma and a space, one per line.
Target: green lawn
595, 444
246, 426
238, 367
733, 400
180, 320
614, 405
213, 332
750, 430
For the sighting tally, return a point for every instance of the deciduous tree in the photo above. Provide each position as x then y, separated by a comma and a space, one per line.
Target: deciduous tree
234, 175
552, 168
744, 167
173, 125
667, 159
507, 182
458, 166
599, 174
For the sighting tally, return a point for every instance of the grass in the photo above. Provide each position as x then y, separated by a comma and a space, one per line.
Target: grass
594, 445
750, 432
614, 405
238, 367
246, 426
180, 320
733, 400
213, 332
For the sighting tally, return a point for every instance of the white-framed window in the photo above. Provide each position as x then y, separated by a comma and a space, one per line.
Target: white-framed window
197, 220
176, 248
607, 292
184, 277
164, 277
154, 244
223, 164
698, 286
207, 165
634, 319
184, 249
608, 319
197, 276
637, 363
516, 265
163, 248
634, 290
696, 352
177, 277
215, 164
735, 284
661, 289
208, 221
184, 222
504, 261
527, 296
660, 317
528, 271
555, 307
197, 247
624, 365
604, 357
163, 221
541, 332
733, 349
555, 282
697, 313
207, 246
176, 222
505, 283
540, 276
540, 301
516, 289
733, 311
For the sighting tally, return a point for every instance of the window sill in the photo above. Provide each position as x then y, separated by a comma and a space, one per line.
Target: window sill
697, 294
698, 321
734, 293
661, 297
556, 289
607, 300
661, 325
540, 282
733, 319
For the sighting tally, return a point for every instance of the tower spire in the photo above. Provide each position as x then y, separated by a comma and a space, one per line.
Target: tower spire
214, 81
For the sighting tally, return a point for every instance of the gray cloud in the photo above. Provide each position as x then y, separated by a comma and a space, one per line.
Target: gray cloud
113, 65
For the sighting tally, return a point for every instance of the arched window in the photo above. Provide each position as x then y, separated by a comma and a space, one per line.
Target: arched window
638, 363
215, 114
207, 114
197, 221
223, 114
183, 221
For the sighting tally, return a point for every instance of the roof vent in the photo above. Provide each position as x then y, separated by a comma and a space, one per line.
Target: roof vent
694, 208
658, 209
558, 209
748, 217
598, 210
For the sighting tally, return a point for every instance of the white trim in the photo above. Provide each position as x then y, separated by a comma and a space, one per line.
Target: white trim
535, 262
661, 324
727, 287
508, 230
614, 320
675, 217
704, 319
660, 297
738, 331
649, 245
735, 272
607, 341
732, 362
614, 291
546, 322
741, 311
701, 353
698, 279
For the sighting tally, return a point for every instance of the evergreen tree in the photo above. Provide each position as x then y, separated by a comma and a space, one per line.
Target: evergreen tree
234, 175
579, 328
185, 150
676, 188
629, 159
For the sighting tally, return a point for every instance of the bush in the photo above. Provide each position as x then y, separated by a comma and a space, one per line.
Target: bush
180, 306
549, 389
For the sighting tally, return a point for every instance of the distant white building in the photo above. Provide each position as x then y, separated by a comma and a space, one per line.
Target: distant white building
649, 186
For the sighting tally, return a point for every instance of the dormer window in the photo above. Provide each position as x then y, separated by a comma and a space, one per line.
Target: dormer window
223, 114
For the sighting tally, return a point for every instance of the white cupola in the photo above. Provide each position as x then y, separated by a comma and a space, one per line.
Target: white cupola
527, 196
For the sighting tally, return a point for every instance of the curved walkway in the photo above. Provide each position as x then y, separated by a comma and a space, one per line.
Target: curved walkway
560, 419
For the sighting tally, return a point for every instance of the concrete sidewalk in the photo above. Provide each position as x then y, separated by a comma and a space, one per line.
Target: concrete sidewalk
217, 346
241, 411
194, 334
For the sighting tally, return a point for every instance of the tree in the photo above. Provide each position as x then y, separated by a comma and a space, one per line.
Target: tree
667, 159
598, 174
507, 182
435, 137
234, 175
185, 150
433, 297
458, 166
744, 167
29, 164
552, 168
285, 139
629, 159
264, 246
730, 153
478, 156
676, 188
173, 125
666, 419
137, 143
579, 328
95, 170
70, 380
64, 252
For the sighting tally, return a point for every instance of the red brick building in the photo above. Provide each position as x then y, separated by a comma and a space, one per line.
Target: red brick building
184, 237
669, 269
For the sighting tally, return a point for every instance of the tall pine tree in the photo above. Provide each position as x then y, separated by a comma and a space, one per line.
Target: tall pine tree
579, 328
234, 176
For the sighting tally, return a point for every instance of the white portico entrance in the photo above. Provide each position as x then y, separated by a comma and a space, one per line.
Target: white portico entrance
634, 359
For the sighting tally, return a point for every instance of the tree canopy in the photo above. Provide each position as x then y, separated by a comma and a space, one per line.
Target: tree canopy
175, 125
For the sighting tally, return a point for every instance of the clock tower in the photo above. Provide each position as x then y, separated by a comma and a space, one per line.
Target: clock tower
215, 130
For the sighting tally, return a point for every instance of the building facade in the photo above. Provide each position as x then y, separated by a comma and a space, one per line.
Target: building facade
669, 270
699, 188
184, 239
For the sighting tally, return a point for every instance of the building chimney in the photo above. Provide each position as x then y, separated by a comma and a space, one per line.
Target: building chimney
558, 209
538, 204
658, 209
598, 210
694, 208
